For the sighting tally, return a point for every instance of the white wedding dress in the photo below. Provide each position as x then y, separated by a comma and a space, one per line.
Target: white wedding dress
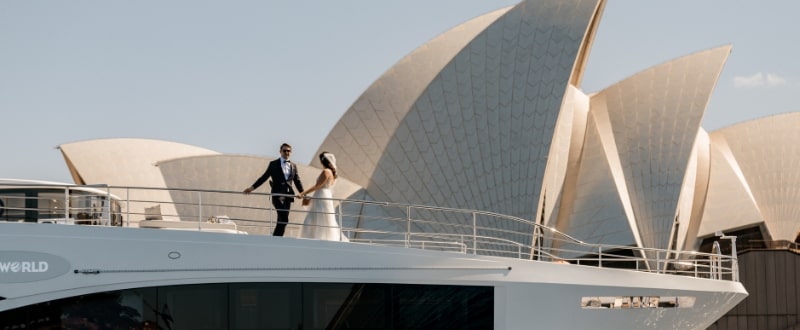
320, 221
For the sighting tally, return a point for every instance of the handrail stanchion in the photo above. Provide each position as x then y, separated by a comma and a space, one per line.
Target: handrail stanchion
127, 206
108, 205
339, 220
474, 234
734, 258
408, 225
716, 251
539, 239
66, 204
534, 242
658, 262
269, 216
600, 256
199, 210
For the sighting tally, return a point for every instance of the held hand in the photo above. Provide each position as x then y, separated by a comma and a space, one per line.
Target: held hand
248, 190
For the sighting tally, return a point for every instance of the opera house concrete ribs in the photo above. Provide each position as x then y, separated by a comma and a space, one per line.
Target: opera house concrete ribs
490, 116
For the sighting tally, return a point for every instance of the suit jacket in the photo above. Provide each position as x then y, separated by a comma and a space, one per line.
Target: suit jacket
278, 181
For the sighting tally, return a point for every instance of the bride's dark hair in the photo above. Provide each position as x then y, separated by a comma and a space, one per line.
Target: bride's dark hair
327, 162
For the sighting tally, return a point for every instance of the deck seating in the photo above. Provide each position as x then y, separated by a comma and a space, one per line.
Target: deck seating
229, 227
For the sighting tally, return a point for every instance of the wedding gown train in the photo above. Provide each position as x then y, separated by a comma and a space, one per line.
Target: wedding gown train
320, 222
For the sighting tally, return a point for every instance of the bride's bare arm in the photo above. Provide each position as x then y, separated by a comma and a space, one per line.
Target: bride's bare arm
321, 179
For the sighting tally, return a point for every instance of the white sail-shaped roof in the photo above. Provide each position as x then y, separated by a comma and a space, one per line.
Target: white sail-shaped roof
768, 155
468, 119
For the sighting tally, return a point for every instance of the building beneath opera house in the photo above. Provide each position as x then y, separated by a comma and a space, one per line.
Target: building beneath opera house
491, 116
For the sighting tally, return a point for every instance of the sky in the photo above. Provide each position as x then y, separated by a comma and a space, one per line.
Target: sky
244, 76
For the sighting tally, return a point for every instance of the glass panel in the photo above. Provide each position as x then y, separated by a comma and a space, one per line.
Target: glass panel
18, 319
101, 310
345, 306
141, 304
127, 309
51, 205
193, 307
12, 206
451, 307
322, 302
85, 208
367, 307
265, 306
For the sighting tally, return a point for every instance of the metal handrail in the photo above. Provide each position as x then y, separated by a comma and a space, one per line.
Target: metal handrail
470, 231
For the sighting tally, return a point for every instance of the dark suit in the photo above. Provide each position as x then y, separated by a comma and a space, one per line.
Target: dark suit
281, 185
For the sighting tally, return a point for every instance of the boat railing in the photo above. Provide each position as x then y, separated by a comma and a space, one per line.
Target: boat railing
361, 222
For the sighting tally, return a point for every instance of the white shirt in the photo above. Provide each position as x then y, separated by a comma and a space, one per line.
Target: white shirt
287, 168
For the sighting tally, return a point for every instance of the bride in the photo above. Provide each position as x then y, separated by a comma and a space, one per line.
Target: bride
320, 222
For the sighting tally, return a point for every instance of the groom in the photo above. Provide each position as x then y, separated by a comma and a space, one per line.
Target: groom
282, 173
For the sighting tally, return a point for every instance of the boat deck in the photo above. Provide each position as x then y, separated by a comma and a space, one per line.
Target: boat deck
362, 222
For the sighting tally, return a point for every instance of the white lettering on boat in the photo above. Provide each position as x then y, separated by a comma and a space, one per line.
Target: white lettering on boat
24, 267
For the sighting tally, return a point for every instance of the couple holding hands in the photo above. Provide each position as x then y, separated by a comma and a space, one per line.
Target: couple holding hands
320, 222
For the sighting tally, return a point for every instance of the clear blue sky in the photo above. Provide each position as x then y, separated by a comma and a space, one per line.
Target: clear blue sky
217, 74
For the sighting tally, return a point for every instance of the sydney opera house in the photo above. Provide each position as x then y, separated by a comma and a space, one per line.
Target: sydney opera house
491, 116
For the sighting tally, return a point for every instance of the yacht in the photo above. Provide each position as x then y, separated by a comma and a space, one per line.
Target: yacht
74, 256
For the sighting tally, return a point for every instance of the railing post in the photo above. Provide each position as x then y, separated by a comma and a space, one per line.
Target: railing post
66, 204
734, 260
715, 261
539, 239
658, 262
408, 225
340, 215
127, 206
600, 256
474, 234
534, 243
269, 216
199, 210
108, 205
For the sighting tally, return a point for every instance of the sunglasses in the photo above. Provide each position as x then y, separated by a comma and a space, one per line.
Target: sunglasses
286, 150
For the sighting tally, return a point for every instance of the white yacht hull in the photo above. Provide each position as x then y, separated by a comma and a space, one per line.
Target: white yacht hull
527, 294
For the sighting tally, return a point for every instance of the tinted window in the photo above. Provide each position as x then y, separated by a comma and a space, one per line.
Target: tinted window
266, 306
